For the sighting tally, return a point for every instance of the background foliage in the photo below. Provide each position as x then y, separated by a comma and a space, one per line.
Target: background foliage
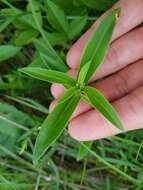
27, 38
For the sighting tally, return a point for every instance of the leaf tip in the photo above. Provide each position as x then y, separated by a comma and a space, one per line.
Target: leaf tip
120, 125
122, 128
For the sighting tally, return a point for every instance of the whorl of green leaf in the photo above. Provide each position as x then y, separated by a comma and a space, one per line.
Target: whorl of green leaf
93, 56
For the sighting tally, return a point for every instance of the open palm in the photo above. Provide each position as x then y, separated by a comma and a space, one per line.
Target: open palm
122, 73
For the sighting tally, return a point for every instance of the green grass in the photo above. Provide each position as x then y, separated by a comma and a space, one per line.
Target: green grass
112, 164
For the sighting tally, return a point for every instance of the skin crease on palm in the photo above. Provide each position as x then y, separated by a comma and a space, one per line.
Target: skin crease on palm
123, 72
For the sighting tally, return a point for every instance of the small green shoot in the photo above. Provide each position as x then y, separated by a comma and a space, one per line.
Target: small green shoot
78, 89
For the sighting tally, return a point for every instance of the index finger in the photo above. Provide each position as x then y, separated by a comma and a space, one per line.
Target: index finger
131, 16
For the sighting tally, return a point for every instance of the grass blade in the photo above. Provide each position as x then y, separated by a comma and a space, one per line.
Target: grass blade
111, 166
76, 26
99, 102
56, 122
29, 103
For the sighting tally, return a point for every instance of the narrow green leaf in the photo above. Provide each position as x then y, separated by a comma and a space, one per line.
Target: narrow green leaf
99, 102
40, 28
56, 122
101, 5
8, 51
29, 103
29, 20
83, 152
22, 19
56, 17
56, 38
26, 37
67, 6
36, 6
50, 58
10, 12
49, 75
60, 65
98, 44
76, 26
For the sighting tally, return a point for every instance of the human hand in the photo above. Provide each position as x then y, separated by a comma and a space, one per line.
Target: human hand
123, 72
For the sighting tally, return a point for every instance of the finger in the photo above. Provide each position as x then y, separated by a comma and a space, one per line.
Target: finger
57, 90
92, 126
122, 82
52, 105
116, 86
131, 16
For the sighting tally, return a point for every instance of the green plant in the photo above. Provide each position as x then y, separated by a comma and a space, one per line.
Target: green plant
78, 89
111, 163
